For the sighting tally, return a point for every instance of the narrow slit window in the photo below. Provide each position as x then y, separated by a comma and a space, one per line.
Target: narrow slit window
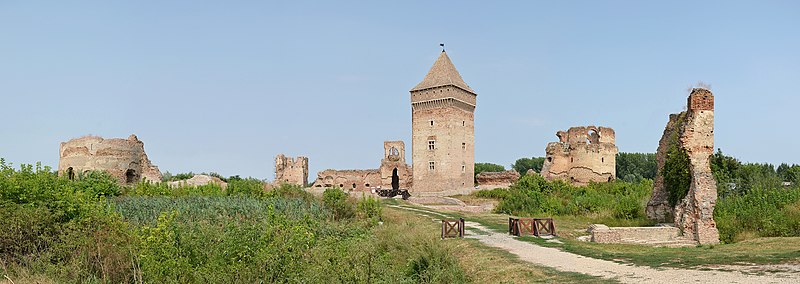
432, 165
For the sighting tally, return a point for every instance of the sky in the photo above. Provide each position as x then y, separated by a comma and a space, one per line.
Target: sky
224, 86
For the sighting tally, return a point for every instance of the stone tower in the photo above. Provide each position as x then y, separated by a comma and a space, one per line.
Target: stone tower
583, 154
124, 159
442, 132
291, 170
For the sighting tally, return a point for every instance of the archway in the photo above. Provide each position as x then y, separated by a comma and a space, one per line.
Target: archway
395, 179
130, 176
70, 173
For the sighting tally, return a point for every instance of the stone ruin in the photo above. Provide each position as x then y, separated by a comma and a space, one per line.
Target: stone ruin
198, 180
291, 170
582, 155
124, 159
393, 167
693, 132
491, 180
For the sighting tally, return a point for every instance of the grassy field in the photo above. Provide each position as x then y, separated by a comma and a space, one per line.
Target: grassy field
484, 264
774, 250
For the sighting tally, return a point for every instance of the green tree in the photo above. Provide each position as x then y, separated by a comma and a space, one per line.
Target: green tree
633, 167
522, 165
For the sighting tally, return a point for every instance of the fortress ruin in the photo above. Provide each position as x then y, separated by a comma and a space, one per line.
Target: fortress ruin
582, 155
291, 170
491, 180
124, 159
393, 169
690, 132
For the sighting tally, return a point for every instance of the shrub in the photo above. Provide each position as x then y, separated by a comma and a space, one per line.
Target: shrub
533, 195
760, 212
369, 208
336, 200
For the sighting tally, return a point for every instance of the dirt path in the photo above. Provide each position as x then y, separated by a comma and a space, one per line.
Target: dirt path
565, 261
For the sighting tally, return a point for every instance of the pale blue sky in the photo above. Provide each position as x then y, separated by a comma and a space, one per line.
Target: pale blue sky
225, 86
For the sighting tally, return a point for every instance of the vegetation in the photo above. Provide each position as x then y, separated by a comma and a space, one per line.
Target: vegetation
754, 251
532, 195
522, 165
91, 230
634, 167
760, 208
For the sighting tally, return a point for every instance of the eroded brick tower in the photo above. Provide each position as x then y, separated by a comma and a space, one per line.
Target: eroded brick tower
443, 132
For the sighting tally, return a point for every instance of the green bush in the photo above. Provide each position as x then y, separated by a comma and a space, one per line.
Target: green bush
533, 195
496, 193
336, 200
760, 212
369, 208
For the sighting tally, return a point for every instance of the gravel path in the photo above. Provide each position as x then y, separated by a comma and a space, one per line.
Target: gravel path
565, 261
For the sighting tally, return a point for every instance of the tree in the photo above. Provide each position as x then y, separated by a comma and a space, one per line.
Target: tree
633, 167
522, 165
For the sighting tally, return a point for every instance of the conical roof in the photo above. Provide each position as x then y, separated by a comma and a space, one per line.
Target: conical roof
442, 73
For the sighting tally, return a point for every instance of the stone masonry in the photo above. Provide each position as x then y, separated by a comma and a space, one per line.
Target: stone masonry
124, 159
392, 164
695, 132
490, 180
582, 155
291, 170
443, 132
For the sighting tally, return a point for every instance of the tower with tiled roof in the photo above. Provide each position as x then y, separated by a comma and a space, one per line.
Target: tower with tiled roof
443, 132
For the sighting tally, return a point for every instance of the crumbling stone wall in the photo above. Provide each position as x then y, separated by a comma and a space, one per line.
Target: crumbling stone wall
357, 180
393, 162
198, 180
694, 130
124, 159
291, 170
582, 154
490, 180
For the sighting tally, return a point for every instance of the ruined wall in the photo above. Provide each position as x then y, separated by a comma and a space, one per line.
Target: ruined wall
364, 180
394, 162
357, 180
695, 135
199, 180
581, 155
124, 159
291, 170
490, 180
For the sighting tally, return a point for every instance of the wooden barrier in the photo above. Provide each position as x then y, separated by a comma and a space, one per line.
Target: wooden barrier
453, 228
531, 226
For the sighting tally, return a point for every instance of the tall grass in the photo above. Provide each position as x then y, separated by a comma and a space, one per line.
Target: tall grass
92, 231
533, 195
771, 212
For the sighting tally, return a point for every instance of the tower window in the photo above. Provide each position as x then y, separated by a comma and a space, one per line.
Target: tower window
463, 168
432, 165
463, 123
431, 144
431, 122
463, 146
